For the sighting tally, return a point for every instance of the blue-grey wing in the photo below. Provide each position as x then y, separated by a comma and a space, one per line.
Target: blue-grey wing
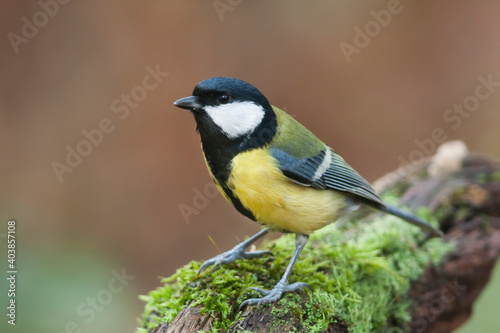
326, 170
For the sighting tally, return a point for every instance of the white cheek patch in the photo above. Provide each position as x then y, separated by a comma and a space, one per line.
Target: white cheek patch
236, 119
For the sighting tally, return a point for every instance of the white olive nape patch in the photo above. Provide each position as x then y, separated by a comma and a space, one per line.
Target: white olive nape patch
236, 119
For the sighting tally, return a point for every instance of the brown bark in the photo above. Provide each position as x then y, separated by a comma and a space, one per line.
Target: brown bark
467, 202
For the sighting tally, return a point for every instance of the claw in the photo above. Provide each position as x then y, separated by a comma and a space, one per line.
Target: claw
261, 291
274, 294
282, 286
255, 254
237, 252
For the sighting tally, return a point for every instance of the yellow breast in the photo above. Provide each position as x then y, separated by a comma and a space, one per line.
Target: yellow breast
277, 201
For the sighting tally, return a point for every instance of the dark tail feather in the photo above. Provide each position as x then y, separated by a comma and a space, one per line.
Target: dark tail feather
412, 219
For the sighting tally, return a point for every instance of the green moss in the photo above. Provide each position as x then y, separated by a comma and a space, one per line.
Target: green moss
360, 275
213, 289
483, 178
495, 176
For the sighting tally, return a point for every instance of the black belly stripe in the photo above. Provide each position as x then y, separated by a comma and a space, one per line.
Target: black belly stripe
238, 205
221, 180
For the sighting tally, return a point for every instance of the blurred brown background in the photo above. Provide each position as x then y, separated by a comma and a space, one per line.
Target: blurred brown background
118, 208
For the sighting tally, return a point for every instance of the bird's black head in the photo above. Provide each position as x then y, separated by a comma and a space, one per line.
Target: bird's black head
226, 90
230, 112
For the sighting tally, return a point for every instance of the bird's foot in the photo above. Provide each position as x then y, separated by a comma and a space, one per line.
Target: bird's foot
274, 294
237, 252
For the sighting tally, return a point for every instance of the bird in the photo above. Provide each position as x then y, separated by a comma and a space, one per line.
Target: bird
275, 172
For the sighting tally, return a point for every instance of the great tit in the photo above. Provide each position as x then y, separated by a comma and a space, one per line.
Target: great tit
275, 172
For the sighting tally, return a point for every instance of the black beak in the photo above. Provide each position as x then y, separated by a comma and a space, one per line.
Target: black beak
188, 103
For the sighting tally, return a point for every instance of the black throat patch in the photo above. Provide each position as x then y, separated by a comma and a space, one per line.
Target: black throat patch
219, 150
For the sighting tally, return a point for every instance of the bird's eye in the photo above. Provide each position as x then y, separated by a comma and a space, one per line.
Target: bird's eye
224, 98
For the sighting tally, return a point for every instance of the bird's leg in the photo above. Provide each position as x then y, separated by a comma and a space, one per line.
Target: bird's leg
237, 252
282, 286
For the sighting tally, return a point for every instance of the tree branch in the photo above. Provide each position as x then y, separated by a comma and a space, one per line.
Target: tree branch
463, 191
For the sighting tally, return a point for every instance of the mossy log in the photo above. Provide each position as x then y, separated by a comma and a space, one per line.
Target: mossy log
461, 189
